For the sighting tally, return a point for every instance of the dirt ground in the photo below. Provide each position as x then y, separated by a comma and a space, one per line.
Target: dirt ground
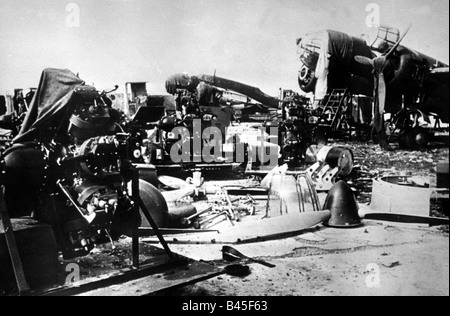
377, 259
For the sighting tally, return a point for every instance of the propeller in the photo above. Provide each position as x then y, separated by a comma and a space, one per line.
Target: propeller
379, 65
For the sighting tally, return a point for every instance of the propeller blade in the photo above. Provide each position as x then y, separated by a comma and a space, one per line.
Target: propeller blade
379, 102
403, 218
173, 196
173, 183
381, 93
394, 48
364, 61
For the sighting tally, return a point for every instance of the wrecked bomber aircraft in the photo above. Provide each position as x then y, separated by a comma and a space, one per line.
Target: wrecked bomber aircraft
407, 84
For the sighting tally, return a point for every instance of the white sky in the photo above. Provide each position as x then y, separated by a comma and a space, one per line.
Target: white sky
252, 41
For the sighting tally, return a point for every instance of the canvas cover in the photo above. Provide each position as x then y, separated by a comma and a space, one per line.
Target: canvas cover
50, 103
331, 48
336, 47
340, 48
322, 68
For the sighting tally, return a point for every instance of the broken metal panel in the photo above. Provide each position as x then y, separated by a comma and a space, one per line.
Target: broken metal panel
395, 195
323, 176
332, 162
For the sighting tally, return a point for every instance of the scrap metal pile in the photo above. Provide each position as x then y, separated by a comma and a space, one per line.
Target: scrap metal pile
77, 174
409, 86
303, 125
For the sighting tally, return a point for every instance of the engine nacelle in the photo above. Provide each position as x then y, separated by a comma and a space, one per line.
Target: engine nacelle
404, 69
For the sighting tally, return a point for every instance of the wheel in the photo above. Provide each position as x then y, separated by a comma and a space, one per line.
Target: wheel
417, 138
307, 80
363, 133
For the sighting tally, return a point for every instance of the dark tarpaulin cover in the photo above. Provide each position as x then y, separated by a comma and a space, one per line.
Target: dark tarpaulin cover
50, 103
340, 47
343, 48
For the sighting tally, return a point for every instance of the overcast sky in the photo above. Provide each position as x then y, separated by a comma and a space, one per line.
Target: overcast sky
252, 41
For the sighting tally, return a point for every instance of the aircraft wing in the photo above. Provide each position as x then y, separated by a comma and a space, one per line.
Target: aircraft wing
252, 92
440, 75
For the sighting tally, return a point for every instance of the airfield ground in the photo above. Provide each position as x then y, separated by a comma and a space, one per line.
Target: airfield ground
379, 258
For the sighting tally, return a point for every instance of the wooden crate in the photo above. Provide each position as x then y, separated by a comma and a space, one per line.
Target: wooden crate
442, 171
39, 254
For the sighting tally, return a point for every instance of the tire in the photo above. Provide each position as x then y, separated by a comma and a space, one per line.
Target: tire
309, 85
417, 139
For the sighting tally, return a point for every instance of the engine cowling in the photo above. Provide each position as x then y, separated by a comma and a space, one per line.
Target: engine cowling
403, 69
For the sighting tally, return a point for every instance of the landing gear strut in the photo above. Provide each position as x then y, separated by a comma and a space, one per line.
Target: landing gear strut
381, 137
405, 125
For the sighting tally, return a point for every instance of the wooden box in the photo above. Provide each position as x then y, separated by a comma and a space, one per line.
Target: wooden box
39, 254
442, 171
